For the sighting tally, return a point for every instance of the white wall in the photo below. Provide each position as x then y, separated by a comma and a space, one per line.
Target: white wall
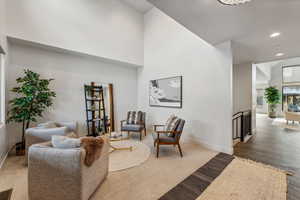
242, 87
70, 73
3, 62
170, 50
105, 28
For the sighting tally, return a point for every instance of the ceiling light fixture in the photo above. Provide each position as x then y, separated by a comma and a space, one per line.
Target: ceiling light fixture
233, 2
276, 34
279, 54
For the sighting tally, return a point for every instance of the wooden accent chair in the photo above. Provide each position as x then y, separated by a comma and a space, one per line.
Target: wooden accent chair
162, 137
135, 124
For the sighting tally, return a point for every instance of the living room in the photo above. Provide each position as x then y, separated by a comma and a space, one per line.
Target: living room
132, 51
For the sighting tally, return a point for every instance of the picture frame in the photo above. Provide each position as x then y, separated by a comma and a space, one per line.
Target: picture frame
166, 92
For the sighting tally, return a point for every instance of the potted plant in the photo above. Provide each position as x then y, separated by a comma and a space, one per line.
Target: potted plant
272, 96
33, 97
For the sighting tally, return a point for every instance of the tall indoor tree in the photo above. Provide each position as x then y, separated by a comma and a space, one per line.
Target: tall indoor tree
33, 97
272, 97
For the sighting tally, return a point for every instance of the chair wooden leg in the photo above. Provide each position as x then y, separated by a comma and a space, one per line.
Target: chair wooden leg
157, 150
145, 131
141, 133
180, 150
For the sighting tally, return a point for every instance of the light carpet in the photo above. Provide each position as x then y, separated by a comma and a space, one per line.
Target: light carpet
148, 181
124, 159
247, 180
281, 122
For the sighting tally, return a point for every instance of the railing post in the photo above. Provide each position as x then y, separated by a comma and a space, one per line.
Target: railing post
242, 128
250, 121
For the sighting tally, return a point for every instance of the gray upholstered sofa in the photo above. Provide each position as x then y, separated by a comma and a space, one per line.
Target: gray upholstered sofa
42, 133
61, 174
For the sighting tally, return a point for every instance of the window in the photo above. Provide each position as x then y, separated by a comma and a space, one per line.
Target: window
291, 98
291, 74
291, 88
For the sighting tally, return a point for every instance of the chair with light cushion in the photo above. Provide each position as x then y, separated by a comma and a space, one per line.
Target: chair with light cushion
166, 136
135, 122
43, 133
292, 116
61, 174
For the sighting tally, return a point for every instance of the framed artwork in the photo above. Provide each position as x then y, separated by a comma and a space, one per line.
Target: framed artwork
166, 92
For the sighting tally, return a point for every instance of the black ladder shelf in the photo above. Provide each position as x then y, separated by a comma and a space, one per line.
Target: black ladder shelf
95, 110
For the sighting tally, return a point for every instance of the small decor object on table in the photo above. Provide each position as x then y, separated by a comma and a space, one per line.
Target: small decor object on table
166, 92
95, 110
115, 135
33, 98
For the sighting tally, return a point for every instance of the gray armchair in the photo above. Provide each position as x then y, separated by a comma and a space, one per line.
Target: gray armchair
43, 133
162, 137
134, 124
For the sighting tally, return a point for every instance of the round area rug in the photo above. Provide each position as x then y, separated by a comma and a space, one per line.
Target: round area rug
124, 159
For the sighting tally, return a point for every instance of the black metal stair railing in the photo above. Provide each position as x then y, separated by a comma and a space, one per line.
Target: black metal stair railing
241, 125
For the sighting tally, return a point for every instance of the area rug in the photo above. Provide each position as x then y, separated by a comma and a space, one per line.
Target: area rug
124, 159
281, 122
247, 180
227, 177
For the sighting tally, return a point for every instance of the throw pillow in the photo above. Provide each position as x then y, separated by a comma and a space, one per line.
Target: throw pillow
172, 125
169, 121
64, 142
72, 135
138, 118
131, 117
48, 125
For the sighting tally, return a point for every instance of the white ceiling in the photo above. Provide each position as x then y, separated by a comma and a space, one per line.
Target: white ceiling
248, 25
141, 5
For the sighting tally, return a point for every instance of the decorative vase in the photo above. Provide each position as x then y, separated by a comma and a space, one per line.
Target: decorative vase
272, 111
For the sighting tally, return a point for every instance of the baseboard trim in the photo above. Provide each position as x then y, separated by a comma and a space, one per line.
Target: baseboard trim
3, 159
228, 150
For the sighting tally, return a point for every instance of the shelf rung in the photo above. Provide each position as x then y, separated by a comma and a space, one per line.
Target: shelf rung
94, 99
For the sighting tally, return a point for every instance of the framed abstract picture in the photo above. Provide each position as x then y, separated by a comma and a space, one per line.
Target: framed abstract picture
166, 92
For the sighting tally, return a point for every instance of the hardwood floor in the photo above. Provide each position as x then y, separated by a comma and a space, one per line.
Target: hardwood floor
275, 146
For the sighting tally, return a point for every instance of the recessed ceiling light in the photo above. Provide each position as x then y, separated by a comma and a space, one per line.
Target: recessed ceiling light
279, 54
276, 34
233, 2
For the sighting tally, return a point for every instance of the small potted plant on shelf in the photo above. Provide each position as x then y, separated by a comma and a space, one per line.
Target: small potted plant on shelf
272, 97
33, 97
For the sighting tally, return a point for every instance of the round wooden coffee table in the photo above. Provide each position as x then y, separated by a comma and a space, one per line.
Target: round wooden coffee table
115, 137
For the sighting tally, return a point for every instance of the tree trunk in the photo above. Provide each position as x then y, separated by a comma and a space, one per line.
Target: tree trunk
23, 134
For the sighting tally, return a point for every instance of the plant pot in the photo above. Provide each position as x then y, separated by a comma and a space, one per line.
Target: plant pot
20, 149
272, 111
